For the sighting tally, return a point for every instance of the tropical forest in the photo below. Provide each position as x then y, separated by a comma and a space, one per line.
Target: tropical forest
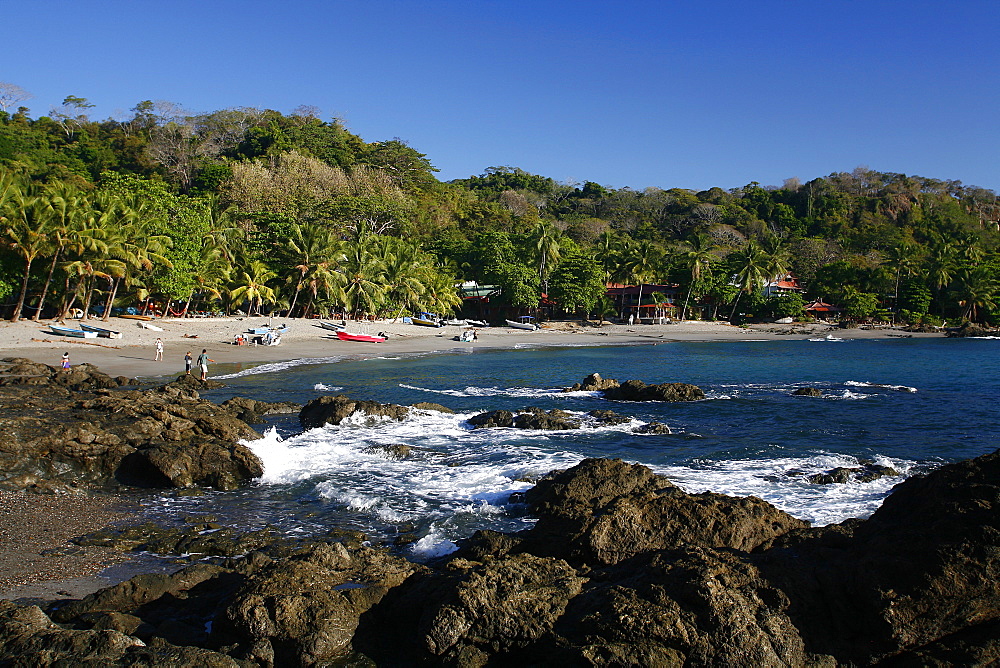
257, 211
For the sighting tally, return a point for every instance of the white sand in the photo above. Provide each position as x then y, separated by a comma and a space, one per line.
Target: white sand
132, 355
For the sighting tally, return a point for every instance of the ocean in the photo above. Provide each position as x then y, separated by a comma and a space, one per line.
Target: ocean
911, 404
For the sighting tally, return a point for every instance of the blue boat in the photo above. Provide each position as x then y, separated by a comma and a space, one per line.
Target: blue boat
75, 333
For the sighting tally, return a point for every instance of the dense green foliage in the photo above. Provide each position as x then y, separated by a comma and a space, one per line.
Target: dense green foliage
256, 210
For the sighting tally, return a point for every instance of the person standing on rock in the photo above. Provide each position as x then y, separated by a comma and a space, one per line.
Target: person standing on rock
203, 361
159, 350
188, 360
65, 361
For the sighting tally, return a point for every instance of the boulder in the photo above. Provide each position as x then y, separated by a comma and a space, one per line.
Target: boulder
808, 392
252, 411
593, 383
868, 472
101, 437
652, 428
536, 418
636, 390
499, 418
604, 511
334, 410
971, 329
430, 406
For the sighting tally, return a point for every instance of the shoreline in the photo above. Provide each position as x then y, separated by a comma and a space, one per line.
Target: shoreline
133, 354
48, 567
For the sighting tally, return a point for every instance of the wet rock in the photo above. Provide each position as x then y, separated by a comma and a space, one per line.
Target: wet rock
499, 418
252, 411
334, 410
604, 511
22, 371
100, 437
430, 406
609, 417
555, 419
193, 382
395, 451
808, 392
636, 390
652, 428
593, 383
860, 474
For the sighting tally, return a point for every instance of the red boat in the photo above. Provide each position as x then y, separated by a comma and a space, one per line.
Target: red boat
345, 336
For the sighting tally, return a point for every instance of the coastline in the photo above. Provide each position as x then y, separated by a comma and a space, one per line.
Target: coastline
47, 567
133, 354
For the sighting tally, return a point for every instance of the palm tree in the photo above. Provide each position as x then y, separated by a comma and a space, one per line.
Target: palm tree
251, 285
977, 288
310, 245
642, 262
545, 244
364, 274
68, 207
697, 255
26, 233
752, 266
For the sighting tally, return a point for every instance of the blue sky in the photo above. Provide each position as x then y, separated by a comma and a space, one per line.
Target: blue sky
667, 94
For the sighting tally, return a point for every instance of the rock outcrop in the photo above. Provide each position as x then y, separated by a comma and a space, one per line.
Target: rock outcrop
72, 430
621, 568
636, 390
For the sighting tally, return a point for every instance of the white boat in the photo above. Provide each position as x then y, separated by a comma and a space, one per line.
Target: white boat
523, 323
147, 325
476, 323
100, 331
332, 326
69, 331
457, 323
828, 337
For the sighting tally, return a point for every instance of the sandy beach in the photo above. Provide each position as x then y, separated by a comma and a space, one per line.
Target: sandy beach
133, 354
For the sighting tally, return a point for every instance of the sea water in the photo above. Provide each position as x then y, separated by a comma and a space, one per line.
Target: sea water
911, 404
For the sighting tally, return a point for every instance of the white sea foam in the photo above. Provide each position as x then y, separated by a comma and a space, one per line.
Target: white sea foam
781, 481
898, 388
322, 387
523, 392
275, 367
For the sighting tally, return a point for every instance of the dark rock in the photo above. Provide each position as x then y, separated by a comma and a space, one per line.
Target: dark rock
808, 392
334, 410
551, 420
866, 473
493, 419
430, 406
166, 436
253, 412
304, 610
593, 383
652, 428
193, 382
970, 329
609, 417
395, 451
22, 371
636, 390
604, 511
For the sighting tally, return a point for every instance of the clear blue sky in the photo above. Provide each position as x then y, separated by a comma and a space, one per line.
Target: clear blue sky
690, 94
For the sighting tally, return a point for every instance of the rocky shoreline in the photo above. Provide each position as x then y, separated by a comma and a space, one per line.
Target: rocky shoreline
621, 567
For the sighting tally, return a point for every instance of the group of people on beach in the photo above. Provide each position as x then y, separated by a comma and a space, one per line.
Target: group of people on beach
203, 359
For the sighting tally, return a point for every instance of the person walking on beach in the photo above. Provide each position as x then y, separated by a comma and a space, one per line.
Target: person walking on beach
188, 360
159, 351
203, 361
65, 361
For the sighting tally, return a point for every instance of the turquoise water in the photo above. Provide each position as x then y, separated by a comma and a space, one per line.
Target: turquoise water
908, 403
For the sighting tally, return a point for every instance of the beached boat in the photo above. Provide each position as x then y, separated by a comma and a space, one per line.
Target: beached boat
332, 326
477, 323
523, 323
364, 338
149, 325
133, 316
69, 331
100, 331
455, 322
427, 320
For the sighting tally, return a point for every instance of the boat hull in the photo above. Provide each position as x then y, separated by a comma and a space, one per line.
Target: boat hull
425, 323
522, 325
362, 338
72, 333
101, 332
